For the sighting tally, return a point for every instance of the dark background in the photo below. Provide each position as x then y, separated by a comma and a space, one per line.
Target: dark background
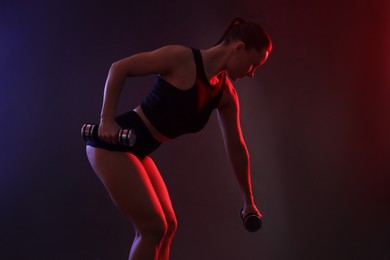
315, 118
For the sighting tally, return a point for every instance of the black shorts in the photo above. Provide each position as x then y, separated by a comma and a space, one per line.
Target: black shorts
144, 144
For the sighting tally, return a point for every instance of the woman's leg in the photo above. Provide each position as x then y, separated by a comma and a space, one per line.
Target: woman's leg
165, 201
131, 190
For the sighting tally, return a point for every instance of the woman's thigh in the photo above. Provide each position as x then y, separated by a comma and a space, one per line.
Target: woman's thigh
129, 186
160, 188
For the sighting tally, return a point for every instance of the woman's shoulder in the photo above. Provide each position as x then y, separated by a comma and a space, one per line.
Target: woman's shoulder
228, 85
229, 94
177, 51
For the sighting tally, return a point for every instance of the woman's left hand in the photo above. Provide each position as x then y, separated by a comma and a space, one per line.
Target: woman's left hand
250, 208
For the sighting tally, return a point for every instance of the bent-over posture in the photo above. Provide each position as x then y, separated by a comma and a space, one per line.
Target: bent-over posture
190, 84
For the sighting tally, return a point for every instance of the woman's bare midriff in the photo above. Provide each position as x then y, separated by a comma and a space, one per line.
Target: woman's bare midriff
156, 134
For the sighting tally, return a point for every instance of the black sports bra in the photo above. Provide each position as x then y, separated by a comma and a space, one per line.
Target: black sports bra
174, 112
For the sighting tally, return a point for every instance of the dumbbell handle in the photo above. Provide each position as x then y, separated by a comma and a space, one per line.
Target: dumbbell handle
126, 137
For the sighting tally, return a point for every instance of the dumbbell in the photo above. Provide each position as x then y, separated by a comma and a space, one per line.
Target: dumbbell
126, 137
252, 222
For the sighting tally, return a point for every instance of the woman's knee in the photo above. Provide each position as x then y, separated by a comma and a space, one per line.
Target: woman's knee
171, 226
158, 229
154, 230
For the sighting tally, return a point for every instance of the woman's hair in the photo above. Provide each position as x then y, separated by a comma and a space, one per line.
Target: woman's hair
252, 34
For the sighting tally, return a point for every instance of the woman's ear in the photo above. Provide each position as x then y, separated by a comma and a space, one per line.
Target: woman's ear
238, 47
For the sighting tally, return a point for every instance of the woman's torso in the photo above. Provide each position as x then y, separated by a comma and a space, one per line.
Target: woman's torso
187, 76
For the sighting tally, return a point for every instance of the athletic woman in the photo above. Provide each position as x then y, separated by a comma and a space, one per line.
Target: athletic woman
190, 84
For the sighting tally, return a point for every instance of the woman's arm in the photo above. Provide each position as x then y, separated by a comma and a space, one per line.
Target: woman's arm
229, 121
162, 61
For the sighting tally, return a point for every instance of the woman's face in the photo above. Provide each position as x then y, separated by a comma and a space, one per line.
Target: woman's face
244, 62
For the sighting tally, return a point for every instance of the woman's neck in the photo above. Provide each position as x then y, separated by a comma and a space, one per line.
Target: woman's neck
215, 59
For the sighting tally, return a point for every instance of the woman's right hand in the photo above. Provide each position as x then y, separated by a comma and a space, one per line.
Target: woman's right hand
108, 131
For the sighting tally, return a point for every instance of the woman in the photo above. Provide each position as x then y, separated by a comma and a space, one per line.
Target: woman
191, 83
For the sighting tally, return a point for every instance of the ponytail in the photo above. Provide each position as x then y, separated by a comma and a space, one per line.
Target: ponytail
235, 21
253, 35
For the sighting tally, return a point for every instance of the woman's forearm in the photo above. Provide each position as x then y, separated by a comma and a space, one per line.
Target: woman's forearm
112, 90
240, 161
